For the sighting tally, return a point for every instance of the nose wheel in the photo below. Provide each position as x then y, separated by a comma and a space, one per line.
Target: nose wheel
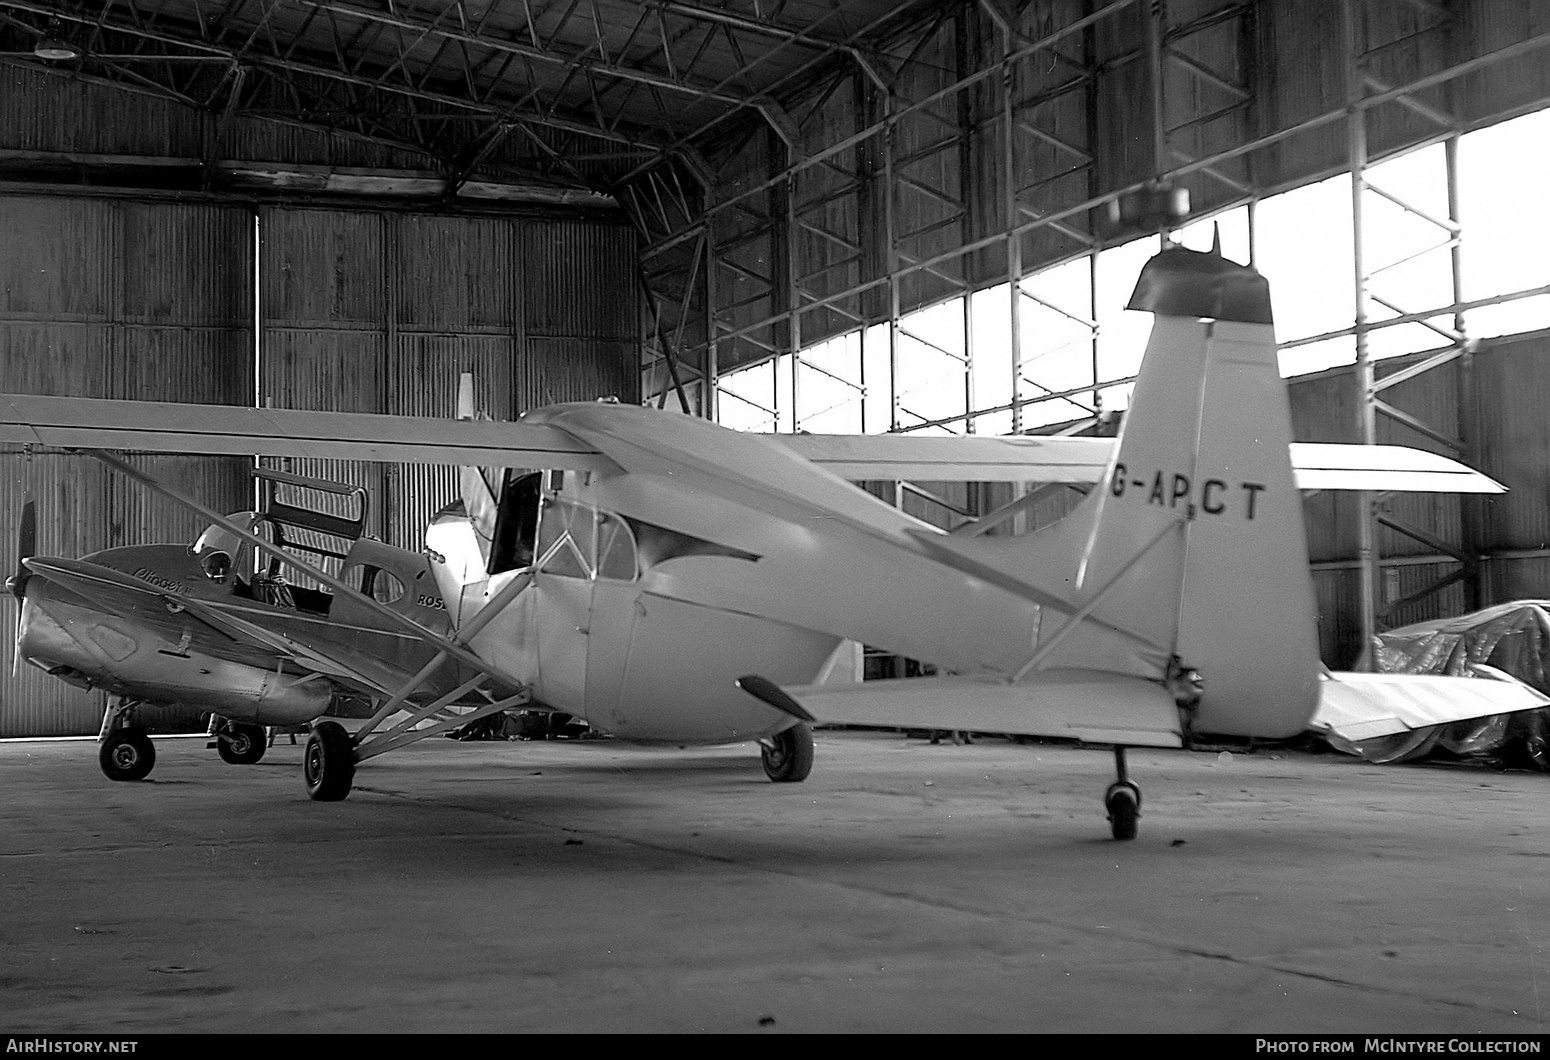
1122, 800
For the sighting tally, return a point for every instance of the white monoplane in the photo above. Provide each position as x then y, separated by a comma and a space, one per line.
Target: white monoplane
673, 581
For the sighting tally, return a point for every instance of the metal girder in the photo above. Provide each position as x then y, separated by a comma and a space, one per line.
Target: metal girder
302, 76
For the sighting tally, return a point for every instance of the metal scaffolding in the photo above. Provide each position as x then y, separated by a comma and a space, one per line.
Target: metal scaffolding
878, 193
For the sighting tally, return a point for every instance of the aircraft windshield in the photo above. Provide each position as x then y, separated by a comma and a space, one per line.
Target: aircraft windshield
218, 548
600, 543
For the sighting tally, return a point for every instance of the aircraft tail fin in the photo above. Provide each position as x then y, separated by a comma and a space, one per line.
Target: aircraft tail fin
1190, 554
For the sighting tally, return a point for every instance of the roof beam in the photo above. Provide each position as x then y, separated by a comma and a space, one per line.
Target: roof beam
545, 55
248, 56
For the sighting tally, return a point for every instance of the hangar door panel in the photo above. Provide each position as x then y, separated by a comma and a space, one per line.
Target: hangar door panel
368, 312
125, 300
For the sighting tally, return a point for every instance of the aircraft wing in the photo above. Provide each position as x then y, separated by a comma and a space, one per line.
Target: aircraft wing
217, 630
1070, 704
1034, 458
167, 427
363, 671
157, 426
117, 593
1363, 706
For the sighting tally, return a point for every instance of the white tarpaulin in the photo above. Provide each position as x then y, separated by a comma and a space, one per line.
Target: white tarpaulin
1509, 641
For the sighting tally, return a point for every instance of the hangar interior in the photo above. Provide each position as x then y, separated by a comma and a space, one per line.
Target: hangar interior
821, 215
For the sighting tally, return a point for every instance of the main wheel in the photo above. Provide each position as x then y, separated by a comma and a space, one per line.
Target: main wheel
328, 766
788, 756
1123, 801
127, 754
242, 745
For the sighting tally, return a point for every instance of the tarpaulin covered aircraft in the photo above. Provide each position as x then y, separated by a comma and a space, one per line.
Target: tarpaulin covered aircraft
670, 580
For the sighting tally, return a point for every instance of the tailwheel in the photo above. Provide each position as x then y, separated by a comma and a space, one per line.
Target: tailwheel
788, 755
126, 754
241, 744
1122, 800
328, 766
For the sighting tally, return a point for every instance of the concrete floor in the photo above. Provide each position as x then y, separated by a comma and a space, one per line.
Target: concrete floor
589, 886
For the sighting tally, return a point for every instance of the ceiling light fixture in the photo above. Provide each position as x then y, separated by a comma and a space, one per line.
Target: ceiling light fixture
55, 48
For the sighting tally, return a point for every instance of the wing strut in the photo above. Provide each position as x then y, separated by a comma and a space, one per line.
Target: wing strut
1087, 609
448, 648
398, 735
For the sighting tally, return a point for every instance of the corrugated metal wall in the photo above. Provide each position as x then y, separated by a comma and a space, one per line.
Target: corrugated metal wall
361, 311
375, 312
114, 299
1511, 438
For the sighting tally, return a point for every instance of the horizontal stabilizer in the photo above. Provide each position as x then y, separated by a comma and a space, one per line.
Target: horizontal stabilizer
1066, 704
166, 427
1362, 706
1025, 458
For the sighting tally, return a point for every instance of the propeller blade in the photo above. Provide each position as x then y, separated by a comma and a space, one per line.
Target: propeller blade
26, 548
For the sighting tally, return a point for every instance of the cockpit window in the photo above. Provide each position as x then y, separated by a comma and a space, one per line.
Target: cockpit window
576, 523
615, 549
216, 563
217, 538
386, 588
516, 523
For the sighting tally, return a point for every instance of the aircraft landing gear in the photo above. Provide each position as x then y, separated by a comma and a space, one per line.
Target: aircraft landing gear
328, 765
124, 751
788, 755
126, 754
239, 743
1122, 800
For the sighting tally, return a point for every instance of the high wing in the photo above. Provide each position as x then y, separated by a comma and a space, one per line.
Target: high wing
976, 458
154, 426
150, 426
1068, 704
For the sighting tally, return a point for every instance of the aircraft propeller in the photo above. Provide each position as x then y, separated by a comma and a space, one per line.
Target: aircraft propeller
26, 547
16, 584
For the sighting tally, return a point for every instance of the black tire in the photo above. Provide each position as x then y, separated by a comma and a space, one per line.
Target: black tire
788, 757
1123, 802
1536, 753
328, 765
127, 754
242, 745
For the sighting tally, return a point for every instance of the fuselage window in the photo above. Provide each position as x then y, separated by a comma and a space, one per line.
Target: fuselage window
615, 549
385, 588
576, 523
